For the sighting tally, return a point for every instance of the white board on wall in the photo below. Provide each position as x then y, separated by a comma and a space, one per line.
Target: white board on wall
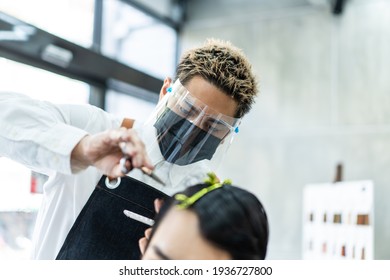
338, 220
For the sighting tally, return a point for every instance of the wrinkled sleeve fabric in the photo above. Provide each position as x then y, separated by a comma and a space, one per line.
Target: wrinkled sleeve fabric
42, 135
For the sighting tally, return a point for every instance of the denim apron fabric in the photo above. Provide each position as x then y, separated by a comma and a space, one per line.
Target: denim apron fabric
102, 231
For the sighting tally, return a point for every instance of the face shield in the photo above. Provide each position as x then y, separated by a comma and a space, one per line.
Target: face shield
186, 138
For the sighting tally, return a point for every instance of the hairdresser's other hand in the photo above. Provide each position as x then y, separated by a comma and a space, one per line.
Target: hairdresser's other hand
143, 242
103, 151
158, 203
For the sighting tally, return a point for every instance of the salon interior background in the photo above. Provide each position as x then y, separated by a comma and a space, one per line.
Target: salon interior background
323, 68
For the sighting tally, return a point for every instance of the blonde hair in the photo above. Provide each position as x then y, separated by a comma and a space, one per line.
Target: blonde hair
223, 65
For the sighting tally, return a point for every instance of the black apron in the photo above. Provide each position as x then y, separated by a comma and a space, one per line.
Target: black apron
102, 231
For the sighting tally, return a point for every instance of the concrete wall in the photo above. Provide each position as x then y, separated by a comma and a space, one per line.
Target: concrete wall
324, 99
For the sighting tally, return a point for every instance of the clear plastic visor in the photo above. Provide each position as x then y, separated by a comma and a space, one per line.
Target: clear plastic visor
187, 106
186, 138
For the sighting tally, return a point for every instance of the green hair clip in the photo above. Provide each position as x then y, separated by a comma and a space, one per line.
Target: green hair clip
213, 183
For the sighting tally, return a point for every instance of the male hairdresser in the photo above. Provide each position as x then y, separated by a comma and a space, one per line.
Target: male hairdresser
91, 190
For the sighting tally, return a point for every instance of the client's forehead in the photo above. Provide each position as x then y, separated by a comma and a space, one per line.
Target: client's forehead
178, 237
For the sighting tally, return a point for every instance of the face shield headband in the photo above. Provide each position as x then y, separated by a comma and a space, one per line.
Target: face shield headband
188, 130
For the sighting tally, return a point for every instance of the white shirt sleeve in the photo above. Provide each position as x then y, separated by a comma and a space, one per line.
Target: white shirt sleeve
42, 135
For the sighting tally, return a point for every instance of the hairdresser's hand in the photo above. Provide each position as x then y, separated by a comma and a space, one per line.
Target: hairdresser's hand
143, 242
102, 151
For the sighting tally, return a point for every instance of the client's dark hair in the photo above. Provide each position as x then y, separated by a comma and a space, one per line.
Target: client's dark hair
231, 218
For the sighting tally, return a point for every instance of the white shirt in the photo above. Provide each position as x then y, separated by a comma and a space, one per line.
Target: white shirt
42, 135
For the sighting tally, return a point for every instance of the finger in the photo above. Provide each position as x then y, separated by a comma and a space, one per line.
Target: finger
141, 158
158, 203
135, 148
142, 243
117, 171
111, 140
148, 233
135, 161
115, 135
137, 152
132, 154
128, 149
148, 162
125, 165
130, 135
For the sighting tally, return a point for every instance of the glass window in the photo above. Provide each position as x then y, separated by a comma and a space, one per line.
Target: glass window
138, 40
18, 209
19, 187
162, 7
41, 84
127, 106
69, 19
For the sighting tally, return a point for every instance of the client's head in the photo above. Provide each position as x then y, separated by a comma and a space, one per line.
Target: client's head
210, 221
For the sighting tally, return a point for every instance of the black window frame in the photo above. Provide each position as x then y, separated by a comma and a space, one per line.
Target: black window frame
88, 64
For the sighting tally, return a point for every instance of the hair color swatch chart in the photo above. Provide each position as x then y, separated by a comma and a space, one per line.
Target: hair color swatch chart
338, 221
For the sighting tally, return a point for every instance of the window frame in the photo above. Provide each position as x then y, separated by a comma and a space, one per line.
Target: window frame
88, 64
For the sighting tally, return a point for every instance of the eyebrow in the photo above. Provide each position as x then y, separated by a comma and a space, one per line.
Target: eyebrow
160, 253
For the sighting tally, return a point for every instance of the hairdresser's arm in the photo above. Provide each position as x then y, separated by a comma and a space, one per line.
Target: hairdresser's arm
48, 137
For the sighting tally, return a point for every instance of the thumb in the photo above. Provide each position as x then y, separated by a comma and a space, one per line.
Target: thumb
158, 203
